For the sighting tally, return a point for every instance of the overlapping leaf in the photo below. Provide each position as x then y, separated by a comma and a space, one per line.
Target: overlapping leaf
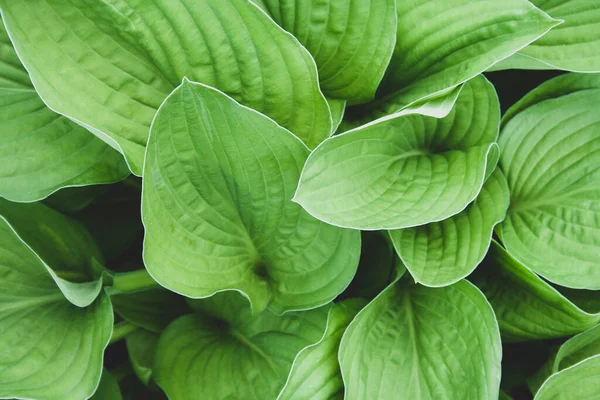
109, 65
441, 253
351, 40
223, 351
423, 343
51, 349
40, 150
577, 382
108, 389
405, 171
526, 306
141, 347
551, 159
218, 183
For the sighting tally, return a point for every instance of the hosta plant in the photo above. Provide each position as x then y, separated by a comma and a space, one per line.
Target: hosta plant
299, 199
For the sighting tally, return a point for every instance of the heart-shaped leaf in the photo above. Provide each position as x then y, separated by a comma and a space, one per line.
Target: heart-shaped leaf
405, 171
351, 41
218, 183
51, 349
40, 150
442, 253
526, 306
423, 343
551, 159
109, 65
223, 351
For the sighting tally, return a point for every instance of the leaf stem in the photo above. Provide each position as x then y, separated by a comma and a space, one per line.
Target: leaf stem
121, 330
134, 281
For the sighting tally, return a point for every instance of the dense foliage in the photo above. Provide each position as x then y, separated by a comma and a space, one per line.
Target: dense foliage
299, 199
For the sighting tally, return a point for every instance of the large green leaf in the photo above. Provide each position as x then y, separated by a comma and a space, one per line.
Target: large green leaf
351, 41
577, 382
225, 352
40, 150
109, 65
218, 181
316, 371
423, 343
551, 159
66, 247
405, 171
574, 45
573, 351
526, 306
441, 44
442, 253
51, 349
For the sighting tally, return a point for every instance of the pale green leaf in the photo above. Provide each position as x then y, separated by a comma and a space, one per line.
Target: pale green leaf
423, 343
109, 65
141, 347
551, 158
351, 41
574, 45
573, 351
441, 44
51, 349
577, 382
217, 209
526, 306
40, 150
108, 388
65, 246
224, 352
405, 171
442, 253
316, 371
337, 108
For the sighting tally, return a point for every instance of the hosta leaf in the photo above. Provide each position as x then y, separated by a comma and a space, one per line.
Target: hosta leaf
526, 306
51, 349
351, 41
224, 351
577, 382
218, 181
551, 159
440, 44
406, 171
573, 351
109, 65
442, 253
337, 108
316, 371
141, 347
108, 388
40, 150
71, 255
150, 309
574, 45
423, 343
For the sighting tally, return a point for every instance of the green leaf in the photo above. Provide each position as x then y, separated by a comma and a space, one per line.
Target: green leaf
577, 382
573, 351
109, 65
152, 309
69, 251
527, 308
141, 346
442, 253
108, 388
405, 171
551, 159
423, 343
573, 45
316, 371
218, 181
224, 351
337, 108
351, 41
441, 44
42, 151
51, 349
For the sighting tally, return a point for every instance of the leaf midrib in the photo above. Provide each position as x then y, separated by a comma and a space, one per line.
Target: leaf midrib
253, 347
